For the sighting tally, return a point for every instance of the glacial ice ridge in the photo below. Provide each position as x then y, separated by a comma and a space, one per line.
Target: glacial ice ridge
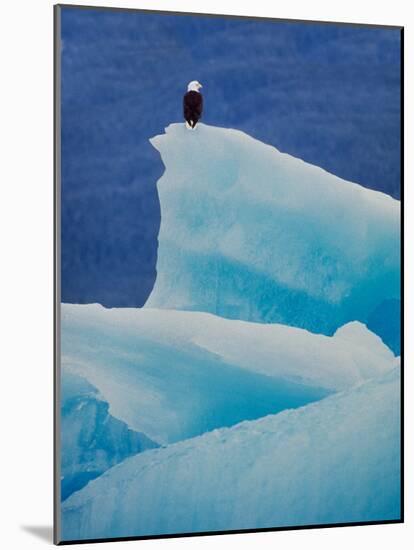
248, 232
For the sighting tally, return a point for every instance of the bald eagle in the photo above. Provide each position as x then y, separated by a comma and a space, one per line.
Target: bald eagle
193, 104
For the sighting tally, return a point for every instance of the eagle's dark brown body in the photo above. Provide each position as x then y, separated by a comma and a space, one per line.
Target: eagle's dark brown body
193, 107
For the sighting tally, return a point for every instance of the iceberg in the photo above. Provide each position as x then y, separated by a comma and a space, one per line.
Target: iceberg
333, 461
256, 388
177, 374
248, 232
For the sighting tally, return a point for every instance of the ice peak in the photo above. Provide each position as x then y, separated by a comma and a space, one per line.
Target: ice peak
251, 233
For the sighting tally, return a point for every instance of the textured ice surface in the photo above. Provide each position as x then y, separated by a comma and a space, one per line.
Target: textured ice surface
91, 439
176, 374
333, 461
385, 320
250, 233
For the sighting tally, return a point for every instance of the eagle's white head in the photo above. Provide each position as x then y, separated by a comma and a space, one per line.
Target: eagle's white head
194, 86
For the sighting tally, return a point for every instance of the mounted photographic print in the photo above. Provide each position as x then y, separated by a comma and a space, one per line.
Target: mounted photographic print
228, 274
